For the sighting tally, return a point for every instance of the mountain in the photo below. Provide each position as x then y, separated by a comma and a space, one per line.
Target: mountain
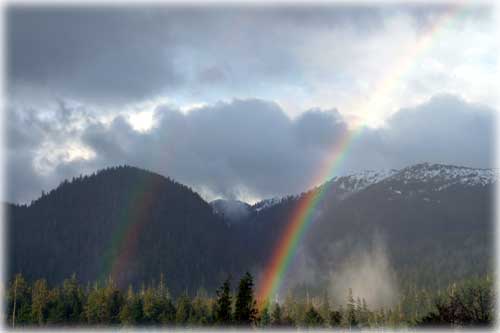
435, 223
122, 222
232, 211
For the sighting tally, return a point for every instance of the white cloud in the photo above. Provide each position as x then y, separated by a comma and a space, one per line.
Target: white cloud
246, 149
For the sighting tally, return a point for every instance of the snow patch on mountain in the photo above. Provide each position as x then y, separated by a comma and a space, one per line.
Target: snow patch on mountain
446, 175
359, 181
437, 176
264, 204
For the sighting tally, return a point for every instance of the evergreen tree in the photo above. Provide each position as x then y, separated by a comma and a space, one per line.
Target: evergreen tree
104, 304
114, 302
350, 312
466, 305
151, 306
313, 318
184, 310
335, 318
167, 311
222, 311
201, 309
72, 299
131, 311
55, 307
96, 309
245, 311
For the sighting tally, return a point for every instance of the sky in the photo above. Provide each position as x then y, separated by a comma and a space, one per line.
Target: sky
245, 101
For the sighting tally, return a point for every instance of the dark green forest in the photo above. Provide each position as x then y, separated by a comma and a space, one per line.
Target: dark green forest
467, 303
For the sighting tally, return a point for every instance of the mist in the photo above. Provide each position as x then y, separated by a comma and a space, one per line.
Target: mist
368, 272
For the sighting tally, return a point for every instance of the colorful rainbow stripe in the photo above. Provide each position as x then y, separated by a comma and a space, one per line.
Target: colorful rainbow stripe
286, 248
123, 245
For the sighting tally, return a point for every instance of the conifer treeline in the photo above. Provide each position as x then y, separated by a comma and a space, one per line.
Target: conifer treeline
469, 303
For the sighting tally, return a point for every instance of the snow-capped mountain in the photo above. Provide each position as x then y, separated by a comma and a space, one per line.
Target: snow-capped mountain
423, 177
418, 178
446, 175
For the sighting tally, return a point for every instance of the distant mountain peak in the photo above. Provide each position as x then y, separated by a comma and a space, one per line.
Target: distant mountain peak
233, 211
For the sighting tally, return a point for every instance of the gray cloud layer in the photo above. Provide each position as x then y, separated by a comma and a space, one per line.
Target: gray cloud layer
244, 148
116, 55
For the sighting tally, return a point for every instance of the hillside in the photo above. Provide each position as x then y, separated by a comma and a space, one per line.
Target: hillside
434, 222
124, 222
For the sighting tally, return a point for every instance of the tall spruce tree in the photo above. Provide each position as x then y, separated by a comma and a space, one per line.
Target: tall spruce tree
72, 298
131, 311
223, 311
245, 311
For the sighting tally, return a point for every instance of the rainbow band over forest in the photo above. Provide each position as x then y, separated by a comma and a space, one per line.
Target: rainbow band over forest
123, 246
301, 217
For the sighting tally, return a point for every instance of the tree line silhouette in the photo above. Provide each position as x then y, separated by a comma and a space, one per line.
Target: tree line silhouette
468, 303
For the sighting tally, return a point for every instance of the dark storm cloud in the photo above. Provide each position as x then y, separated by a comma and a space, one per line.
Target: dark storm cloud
92, 54
117, 55
251, 148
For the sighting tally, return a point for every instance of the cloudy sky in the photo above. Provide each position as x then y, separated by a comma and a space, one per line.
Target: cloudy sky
246, 101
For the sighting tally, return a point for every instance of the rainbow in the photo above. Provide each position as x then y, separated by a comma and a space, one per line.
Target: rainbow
301, 216
123, 245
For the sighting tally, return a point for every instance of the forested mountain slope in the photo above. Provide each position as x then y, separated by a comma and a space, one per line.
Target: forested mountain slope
435, 223
124, 222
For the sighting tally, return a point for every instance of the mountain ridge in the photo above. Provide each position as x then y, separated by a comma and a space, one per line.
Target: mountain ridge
70, 229
425, 171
